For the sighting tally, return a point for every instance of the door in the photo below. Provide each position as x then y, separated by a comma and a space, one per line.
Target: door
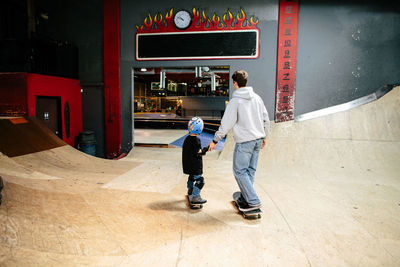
48, 110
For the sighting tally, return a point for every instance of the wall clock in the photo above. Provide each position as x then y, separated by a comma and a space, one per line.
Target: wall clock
182, 19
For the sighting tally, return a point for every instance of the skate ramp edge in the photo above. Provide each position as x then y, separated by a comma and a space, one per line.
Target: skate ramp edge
20, 136
346, 106
376, 121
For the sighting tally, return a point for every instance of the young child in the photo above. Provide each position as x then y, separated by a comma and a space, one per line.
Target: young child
192, 160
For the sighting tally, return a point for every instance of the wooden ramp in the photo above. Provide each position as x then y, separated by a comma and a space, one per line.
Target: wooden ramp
329, 187
21, 136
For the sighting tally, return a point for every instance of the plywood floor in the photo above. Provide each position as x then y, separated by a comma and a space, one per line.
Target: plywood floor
330, 189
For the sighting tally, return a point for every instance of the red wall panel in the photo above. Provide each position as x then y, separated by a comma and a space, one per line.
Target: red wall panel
68, 89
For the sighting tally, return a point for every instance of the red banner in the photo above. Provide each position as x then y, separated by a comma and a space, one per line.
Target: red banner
286, 62
112, 88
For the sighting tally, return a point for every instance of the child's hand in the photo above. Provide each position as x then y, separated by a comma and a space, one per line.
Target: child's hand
203, 151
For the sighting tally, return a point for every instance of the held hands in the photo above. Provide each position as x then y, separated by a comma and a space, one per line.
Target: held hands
203, 151
263, 144
211, 146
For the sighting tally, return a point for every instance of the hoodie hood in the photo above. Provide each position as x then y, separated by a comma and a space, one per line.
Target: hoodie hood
244, 92
246, 115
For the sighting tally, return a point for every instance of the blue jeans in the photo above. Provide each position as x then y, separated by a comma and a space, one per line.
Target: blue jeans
245, 158
191, 183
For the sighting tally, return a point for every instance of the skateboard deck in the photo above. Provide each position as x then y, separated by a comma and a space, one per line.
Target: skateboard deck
192, 205
253, 214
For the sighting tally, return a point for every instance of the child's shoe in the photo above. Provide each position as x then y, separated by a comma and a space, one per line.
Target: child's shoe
198, 200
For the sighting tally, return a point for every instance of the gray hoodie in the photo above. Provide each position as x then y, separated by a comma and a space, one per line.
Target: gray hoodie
247, 115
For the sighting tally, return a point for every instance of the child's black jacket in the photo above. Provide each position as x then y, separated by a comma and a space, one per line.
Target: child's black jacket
192, 161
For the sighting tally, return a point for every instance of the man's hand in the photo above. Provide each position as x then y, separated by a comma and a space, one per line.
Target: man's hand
263, 145
211, 146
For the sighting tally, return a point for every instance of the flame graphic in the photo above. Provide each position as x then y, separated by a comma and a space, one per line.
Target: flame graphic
199, 22
158, 22
228, 21
148, 22
168, 18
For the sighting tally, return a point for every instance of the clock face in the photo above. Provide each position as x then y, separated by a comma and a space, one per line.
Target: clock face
182, 19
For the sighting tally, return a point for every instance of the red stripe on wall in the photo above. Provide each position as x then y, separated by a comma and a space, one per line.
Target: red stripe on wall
112, 88
286, 62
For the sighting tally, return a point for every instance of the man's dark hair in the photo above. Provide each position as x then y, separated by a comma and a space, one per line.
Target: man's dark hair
240, 76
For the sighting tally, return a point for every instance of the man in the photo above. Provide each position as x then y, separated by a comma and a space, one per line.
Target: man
248, 117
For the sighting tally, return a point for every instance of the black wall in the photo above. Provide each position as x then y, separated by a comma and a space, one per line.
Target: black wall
81, 23
346, 50
14, 49
22, 49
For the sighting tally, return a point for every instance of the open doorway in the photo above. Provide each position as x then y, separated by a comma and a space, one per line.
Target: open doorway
165, 98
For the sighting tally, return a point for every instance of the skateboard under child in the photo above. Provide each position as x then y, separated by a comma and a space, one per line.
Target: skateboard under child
193, 206
253, 214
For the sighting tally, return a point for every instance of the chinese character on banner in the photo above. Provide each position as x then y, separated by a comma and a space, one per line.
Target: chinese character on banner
285, 99
286, 60
285, 88
287, 54
286, 76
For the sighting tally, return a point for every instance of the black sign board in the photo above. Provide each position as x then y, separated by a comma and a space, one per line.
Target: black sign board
197, 45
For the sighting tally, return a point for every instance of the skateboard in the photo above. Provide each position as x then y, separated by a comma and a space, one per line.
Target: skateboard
192, 205
253, 214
